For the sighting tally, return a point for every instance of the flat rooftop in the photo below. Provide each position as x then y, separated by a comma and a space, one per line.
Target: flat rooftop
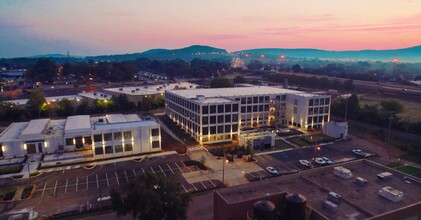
78, 123
152, 89
235, 91
48, 99
358, 202
95, 95
35, 127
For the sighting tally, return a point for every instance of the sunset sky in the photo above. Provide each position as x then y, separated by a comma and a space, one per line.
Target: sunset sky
30, 27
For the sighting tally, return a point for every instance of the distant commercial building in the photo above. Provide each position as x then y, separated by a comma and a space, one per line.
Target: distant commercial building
75, 99
336, 129
136, 94
107, 136
218, 115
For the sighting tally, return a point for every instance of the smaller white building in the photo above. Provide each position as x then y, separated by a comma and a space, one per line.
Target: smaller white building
336, 129
107, 136
391, 194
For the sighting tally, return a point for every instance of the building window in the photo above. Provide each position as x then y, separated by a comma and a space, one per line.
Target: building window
295, 110
227, 118
108, 137
117, 136
205, 110
320, 119
69, 141
205, 130
88, 140
310, 111
108, 149
235, 127
205, 120
266, 98
212, 130
98, 138
321, 110
235, 117
316, 102
155, 144
326, 110
310, 102
260, 108
322, 101
243, 109
327, 100
128, 147
249, 100
243, 100
220, 108
228, 108
99, 151
155, 132
295, 102
220, 129
266, 108
220, 119
127, 135
213, 119
255, 100
118, 148
213, 109
316, 111
235, 107
254, 108
309, 120
249, 108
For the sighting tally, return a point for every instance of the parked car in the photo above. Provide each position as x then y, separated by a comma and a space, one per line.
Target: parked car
305, 163
319, 161
327, 160
272, 171
359, 152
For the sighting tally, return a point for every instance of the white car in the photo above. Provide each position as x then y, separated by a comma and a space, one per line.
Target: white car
359, 152
272, 170
327, 160
319, 161
305, 163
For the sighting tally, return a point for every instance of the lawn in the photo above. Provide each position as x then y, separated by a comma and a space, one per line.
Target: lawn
410, 170
11, 169
281, 145
411, 108
311, 139
7, 193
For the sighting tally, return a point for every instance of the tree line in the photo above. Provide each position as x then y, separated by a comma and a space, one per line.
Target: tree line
38, 107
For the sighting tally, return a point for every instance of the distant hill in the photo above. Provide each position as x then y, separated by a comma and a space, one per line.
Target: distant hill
187, 53
411, 54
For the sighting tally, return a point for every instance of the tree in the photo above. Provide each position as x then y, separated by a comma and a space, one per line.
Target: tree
44, 70
239, 79
64, 108
151, 197
392, 105
296, 68
220, 83
37, 103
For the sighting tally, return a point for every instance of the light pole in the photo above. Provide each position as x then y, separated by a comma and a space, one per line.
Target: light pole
29, 171
223, 166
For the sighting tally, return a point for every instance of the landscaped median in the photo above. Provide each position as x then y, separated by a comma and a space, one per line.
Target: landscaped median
27, 192
408, 169
311, 139
7, 193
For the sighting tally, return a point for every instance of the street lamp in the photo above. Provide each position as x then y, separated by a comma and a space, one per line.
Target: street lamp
390, 125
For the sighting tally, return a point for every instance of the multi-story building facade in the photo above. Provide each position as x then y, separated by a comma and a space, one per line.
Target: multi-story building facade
107, 136
218, 115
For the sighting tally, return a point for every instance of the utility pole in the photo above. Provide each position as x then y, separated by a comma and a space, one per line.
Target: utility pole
390, 125
346, 109
223, 166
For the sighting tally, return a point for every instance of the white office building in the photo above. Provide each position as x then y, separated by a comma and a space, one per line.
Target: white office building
107, 136
218, 115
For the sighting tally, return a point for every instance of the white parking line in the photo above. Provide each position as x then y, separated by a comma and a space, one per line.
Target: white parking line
203, 185
266, 156
143, 170
116, 177
162, 170
194, 187
184, 188
108, 183
97, 183
77, 180
212, 183
45, 185
127, 178
87, 186
134, 172
179, 167
55, 188
152, 170
260, 157
65, 189
170, 168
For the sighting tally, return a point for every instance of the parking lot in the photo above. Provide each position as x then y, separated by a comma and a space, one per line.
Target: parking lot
100, 179
287, 162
